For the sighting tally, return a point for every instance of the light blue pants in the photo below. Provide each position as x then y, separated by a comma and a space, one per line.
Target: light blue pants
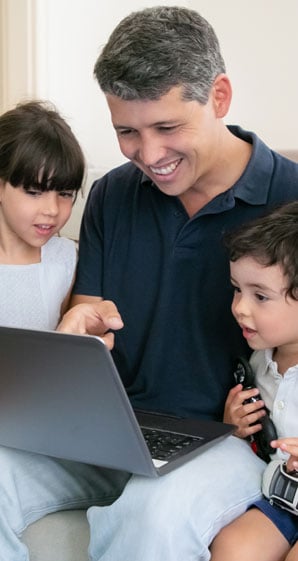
176, 517
172, 518
33, 485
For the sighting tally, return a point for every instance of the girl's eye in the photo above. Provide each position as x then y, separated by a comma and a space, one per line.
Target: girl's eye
33, 192
67, 194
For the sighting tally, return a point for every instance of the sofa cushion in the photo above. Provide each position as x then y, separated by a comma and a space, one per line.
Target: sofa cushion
61, 536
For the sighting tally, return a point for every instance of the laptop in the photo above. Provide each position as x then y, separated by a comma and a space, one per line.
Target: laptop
61, 395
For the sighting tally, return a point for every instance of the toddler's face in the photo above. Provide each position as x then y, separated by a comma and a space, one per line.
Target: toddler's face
267, 316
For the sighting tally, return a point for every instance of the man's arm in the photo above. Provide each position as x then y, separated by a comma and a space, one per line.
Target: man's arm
83, 299
93, 316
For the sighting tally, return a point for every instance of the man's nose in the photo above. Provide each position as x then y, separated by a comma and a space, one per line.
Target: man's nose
150, 151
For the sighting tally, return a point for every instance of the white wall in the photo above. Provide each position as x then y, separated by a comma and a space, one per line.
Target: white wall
17, 36
259, 42
48, 49
56, 42
75, 33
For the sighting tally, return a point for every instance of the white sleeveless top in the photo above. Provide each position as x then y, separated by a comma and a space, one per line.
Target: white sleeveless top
31, 295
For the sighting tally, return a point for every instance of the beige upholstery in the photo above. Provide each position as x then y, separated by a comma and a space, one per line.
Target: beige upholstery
62, 536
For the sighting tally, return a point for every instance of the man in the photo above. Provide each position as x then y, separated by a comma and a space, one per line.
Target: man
151, 243
151, 246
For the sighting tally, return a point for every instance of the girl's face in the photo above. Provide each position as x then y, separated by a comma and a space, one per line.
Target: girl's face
267, 316
33, 216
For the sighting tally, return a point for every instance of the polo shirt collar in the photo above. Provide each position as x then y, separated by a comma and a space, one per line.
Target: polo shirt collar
258, 171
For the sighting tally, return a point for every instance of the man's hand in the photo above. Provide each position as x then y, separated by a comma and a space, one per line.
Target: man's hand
93, 318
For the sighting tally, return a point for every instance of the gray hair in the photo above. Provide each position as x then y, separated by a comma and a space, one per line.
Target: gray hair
155, 49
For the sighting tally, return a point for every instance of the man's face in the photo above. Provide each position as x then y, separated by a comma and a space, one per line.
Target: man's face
173, 141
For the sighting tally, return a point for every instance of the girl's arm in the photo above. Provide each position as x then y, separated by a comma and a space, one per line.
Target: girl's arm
289, 445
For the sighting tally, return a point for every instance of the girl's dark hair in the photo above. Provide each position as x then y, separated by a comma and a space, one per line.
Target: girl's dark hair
39, 150
271, 240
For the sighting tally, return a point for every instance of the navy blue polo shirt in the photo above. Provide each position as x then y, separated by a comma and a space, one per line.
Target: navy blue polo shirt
169, 277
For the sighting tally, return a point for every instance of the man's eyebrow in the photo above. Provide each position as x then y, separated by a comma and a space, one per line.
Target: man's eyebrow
170, 122
167, 122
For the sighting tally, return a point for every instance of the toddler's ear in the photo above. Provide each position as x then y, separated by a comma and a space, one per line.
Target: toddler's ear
2, 184
295, 293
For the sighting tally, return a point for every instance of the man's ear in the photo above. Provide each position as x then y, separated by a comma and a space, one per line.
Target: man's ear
222, 95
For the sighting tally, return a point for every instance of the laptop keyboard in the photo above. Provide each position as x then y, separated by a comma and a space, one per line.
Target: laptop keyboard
164, 445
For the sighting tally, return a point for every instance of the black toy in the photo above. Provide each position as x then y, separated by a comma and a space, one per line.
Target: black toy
244, 375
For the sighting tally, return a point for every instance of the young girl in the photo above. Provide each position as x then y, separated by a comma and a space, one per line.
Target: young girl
264, 273
41, 172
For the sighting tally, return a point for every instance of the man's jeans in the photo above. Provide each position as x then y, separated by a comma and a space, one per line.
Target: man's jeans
176, 517
172, 518
32, 485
